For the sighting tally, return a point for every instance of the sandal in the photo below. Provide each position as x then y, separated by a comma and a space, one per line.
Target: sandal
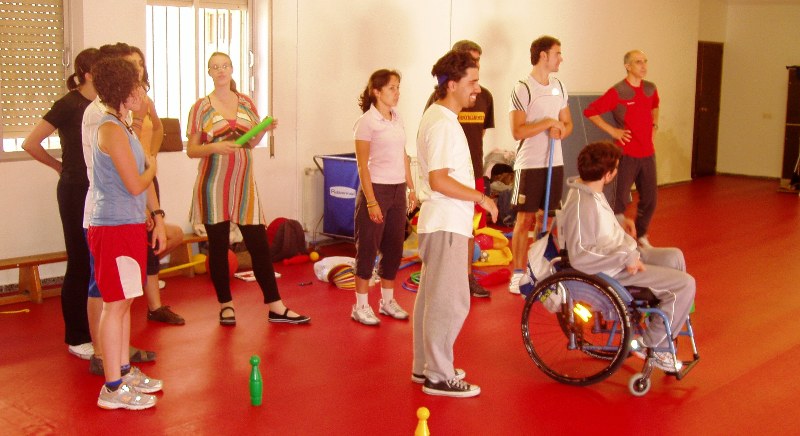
227, 320
299, 319
139, 356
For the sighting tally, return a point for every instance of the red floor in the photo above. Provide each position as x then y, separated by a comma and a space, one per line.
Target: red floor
337, 377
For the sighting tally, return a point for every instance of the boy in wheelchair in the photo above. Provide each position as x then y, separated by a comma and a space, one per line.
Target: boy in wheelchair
598, 243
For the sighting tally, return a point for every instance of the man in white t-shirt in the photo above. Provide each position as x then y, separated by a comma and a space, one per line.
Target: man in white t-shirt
538, 113
448, 195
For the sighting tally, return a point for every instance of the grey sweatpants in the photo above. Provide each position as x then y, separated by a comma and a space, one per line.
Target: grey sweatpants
442, 303
665, 274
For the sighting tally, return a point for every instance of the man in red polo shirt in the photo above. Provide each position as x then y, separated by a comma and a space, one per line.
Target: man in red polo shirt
633, 103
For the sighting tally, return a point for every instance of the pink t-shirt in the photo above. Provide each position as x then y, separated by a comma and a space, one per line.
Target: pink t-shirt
387, 146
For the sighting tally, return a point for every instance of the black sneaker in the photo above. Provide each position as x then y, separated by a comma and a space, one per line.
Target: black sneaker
166, 315
451, 388
475, 289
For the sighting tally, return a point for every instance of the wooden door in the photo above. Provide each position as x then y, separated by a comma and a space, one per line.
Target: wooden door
706, 109
791, 144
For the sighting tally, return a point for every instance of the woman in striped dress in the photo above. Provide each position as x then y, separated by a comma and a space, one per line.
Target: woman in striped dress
225, 191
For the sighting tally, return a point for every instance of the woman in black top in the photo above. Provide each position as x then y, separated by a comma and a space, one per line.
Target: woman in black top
66, 116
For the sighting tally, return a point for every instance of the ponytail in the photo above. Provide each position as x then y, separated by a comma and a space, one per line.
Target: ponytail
83, 66
73, 81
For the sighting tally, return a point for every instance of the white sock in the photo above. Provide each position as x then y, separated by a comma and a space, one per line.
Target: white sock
387, 294
362, 300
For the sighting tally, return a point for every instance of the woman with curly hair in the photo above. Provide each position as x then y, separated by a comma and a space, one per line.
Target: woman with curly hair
122, 172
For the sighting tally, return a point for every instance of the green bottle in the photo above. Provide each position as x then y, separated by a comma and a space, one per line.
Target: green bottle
256, 385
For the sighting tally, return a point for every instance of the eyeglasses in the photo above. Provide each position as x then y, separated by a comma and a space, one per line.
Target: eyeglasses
219, 67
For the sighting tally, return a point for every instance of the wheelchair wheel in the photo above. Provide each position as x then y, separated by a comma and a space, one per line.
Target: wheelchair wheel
639, 385
575, 328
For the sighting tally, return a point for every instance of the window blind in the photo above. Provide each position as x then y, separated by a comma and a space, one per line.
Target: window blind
32, 58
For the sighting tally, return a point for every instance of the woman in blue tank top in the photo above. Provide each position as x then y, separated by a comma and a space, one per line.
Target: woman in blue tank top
122, 172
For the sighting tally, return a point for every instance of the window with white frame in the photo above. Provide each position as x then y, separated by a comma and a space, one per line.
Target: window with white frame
181, 35
33, 68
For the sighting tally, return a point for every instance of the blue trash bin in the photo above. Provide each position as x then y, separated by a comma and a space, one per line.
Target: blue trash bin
341, 185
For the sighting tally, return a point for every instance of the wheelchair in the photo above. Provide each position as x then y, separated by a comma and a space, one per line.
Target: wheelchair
579, 328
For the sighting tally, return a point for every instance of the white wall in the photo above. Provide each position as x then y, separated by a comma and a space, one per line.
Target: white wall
760, 42
713, 19
594, 36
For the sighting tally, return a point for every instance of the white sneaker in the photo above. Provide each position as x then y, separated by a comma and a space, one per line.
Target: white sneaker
84, 351
644, 242
665, 361
364, 315
513, 285
392, 309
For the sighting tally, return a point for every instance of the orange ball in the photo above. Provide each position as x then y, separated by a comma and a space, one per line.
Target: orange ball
314, 256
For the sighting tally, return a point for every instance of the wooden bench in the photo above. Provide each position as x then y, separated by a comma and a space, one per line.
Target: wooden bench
30, 284
182, 255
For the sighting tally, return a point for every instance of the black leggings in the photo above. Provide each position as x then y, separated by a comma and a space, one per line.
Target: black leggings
255, 239
74, 290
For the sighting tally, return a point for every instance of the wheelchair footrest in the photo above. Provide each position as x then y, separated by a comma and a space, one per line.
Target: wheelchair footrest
687, 366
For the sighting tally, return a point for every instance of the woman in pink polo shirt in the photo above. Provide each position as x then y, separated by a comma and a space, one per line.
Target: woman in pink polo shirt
385, 174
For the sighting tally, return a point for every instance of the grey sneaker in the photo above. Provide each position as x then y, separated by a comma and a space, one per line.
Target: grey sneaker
125, 397
665, 361
141, 382
392, 309
364, 315
451, 388
420, 378
96, 365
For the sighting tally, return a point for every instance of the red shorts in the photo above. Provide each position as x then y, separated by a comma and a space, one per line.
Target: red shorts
120, 259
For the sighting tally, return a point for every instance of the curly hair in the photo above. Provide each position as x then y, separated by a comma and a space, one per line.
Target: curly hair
451, 67
114, 80
119, 49
377, 80
83, 65
542, 44
597, 159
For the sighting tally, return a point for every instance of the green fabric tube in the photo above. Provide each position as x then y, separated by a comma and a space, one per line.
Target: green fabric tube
254, 131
